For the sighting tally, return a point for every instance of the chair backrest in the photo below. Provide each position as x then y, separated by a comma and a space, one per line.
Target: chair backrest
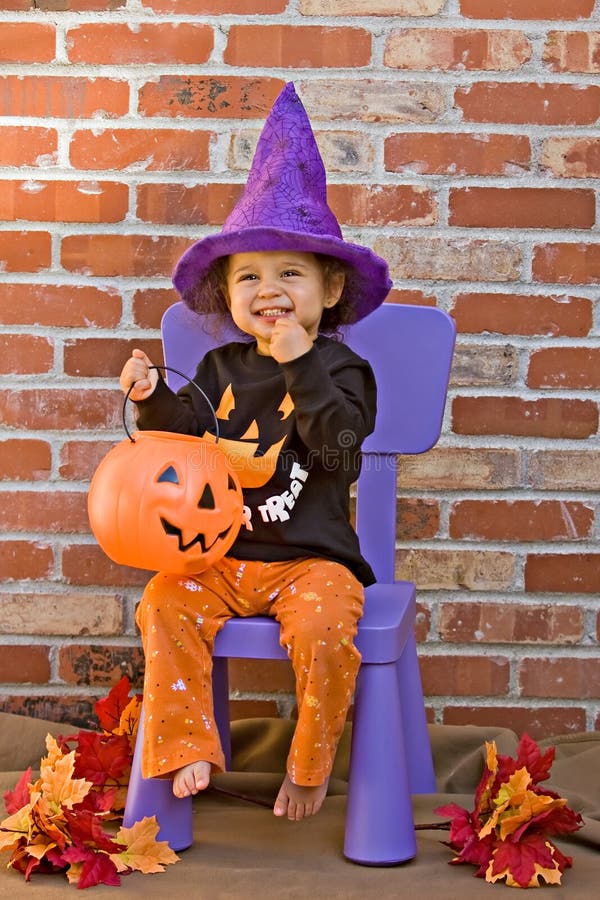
410, 349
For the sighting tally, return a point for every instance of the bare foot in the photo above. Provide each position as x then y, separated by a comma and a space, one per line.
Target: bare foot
297, 802
191, 779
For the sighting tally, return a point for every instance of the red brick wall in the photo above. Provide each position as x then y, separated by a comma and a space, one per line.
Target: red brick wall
461, 142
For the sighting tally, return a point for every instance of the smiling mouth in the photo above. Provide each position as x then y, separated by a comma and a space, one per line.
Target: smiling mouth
174, 531
273, 313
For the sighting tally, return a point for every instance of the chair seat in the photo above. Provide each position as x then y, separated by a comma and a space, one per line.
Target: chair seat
386, 625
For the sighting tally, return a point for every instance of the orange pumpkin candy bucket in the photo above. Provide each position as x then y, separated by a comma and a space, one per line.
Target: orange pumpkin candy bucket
165, 502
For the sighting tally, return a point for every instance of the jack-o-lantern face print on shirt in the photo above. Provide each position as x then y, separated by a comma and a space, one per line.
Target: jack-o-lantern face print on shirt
253, 456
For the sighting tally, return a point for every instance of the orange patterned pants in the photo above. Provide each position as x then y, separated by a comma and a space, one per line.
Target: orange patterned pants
318, 604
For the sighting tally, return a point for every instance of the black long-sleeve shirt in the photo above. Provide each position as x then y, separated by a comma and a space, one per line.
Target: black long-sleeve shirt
293, 432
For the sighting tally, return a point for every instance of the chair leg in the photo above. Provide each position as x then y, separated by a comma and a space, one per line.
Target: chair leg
379, 820
220, 686
417, 744
155, 797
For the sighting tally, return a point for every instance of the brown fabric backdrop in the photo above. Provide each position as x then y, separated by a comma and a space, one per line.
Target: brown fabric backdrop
242, 851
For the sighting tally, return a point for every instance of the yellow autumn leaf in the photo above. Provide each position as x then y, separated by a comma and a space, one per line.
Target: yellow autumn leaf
56, 780
142, 852
530, 807
550, 876
491, 756
14, 827
515, 787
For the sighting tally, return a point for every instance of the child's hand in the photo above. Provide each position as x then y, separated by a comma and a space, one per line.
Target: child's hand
137, 371
289, 339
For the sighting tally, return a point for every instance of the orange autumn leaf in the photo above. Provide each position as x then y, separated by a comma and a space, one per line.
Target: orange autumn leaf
15, 827
142, 853
56, 780
531, 806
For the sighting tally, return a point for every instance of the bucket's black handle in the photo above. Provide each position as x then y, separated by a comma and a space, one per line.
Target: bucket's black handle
181, 375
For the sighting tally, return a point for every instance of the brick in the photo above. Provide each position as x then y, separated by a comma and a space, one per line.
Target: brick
24, 42
141, 149
484, 207
342, 151
565, 367
527, 9
92, 665
120, 44
274, 676
370, 7
86, 564
472, 570
538, 722
411, 298
369, 100
455, 48
567, 263
63, 97
572, 157
23, 559
25, 665
422, 623
457, 154
25, 251
64, 201
73, 614
417, 519
576, 678
105, 357
463, 675
216, 7
521, 520
178, 204
550, 418
510, 623
122, 255
60, 409
149, 306
569, 573
529, 104
77, 5
564, 470
57, 512
382, 204
484, 365
576, 51
73, 710
455, 259
28, 146
527, 314
25, 354
67, 306
227, 97
297, 46
460, 469
80, 459
25, 459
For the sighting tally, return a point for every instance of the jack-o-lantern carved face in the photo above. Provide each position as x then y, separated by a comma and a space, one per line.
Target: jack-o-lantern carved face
166, 502
255, 453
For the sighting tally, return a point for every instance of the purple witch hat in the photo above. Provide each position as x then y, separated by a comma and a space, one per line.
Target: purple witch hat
284, 207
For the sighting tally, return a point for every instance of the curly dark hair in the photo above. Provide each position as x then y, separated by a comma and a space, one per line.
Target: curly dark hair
210, 295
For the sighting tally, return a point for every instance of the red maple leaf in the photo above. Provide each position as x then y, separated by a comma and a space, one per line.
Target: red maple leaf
17, 799
101, 757
519, 858
96, 868
530, 757
109, 708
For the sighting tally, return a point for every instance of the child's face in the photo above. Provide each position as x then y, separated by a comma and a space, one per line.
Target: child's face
267, 286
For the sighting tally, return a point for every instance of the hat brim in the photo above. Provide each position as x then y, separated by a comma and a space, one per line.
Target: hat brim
366, 290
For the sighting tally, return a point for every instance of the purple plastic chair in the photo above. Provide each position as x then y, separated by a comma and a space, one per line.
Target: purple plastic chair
410, 349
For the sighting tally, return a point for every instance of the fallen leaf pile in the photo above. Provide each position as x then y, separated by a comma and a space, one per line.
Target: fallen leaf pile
66, 821
507, 835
